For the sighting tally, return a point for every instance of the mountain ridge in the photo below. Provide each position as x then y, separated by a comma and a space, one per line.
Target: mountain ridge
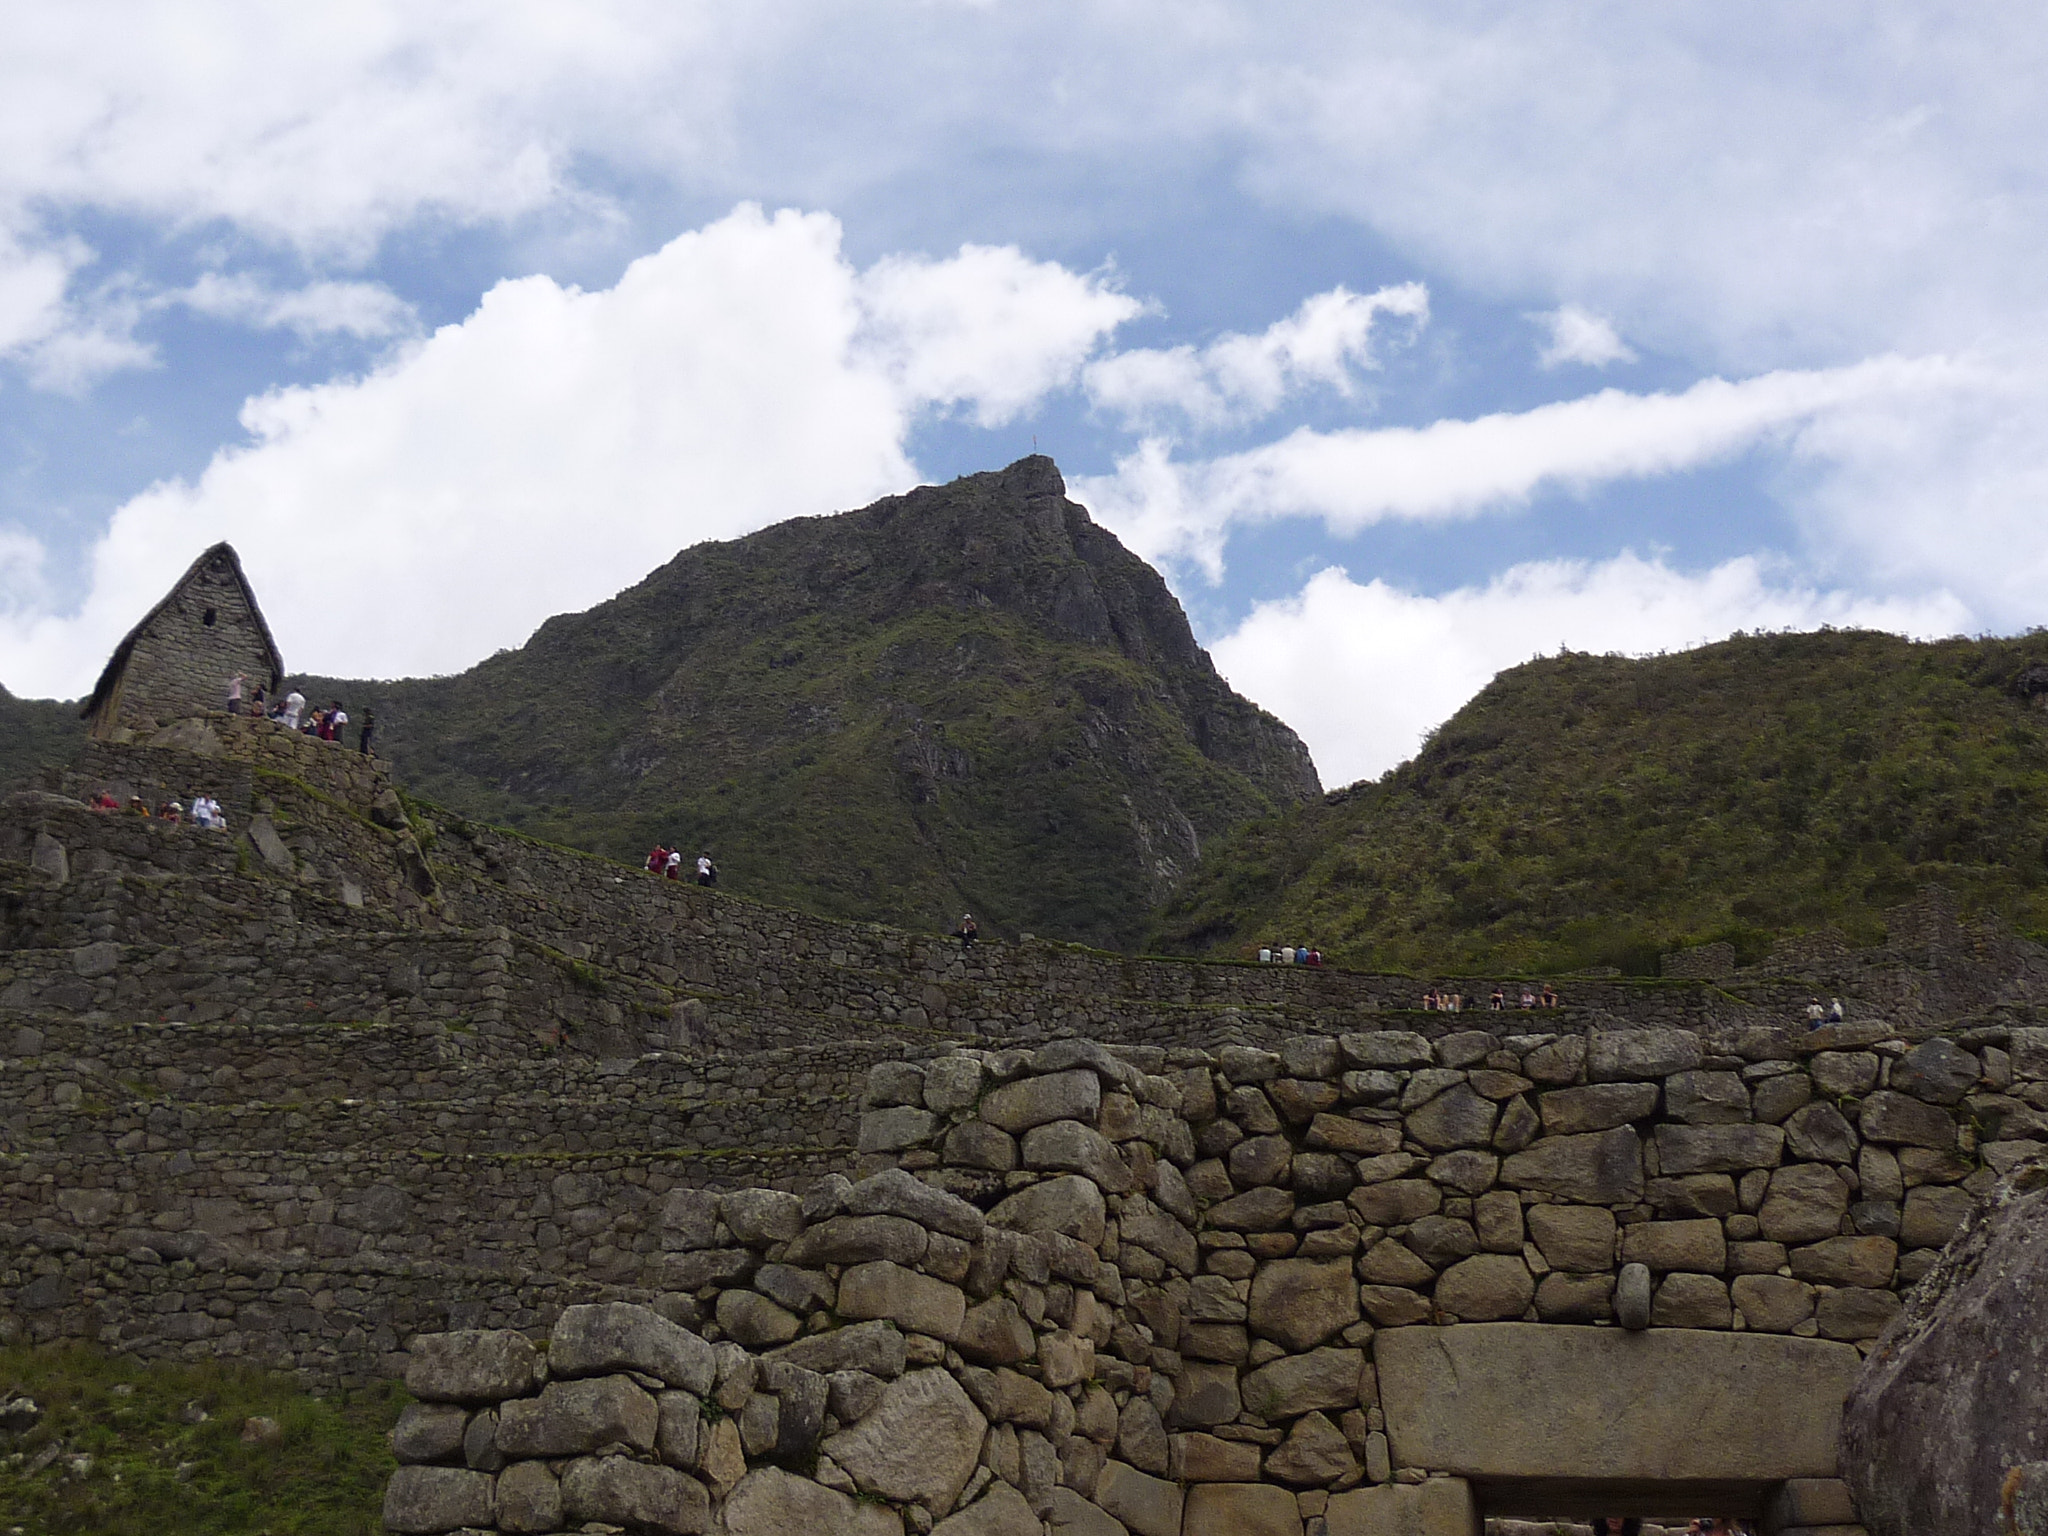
1598, 810
967, 697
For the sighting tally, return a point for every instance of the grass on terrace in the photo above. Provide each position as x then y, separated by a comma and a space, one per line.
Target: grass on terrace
113, 1457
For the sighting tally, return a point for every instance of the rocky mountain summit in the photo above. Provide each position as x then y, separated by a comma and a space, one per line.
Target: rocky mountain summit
969, 697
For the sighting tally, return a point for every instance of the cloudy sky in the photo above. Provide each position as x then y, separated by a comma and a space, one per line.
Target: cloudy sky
1410, 340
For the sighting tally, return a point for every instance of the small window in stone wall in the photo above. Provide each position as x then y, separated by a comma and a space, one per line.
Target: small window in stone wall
207, 618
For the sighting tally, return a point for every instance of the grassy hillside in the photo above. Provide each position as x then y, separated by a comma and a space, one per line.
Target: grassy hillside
34, 732
967, 698
115, 1455
1589, 810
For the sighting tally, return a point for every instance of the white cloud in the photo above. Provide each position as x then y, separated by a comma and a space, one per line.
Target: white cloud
1580, 336
367, 311
1453, 469
1364, 671
988, 327
1239, 378
558, 444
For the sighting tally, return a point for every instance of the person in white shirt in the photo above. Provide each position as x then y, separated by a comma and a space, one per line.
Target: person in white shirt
706, 873
294, 703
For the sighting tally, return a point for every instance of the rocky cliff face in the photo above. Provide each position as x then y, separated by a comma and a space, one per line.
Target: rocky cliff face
1949, 1419
969, 697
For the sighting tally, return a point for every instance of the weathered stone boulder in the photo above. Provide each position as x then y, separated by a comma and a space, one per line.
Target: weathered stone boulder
1956, 1393
570, 1418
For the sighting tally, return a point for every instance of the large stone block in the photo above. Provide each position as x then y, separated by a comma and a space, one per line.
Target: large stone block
1295, 1384
570, 1418
1685, 1149
1002, 1511
1301, 1302
1069, 1205
636, 1494
1605, 1168
1241, 1509
772, 1502
1068, 1146
474, 1366
859, 1240
1600, 1107
1666, 1245
1443, 1506
420, 1500
1030, 1101
1457, 1117
429, 1432
1806, 1202
918, 1445
916, 1303
1485, 1288
1579, 1238
620, 1336
1934, 1213
1509, 1400
1861, 1261
1619, 1055
1150, 1506
529, 1499
1896, 1120
877, 1348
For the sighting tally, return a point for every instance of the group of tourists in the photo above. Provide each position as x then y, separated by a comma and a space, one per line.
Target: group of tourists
205, 812
291, 713
1449, 1000
667, 862
1290, 954
1816, 1015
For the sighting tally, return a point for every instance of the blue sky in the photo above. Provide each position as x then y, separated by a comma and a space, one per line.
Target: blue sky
1408, 340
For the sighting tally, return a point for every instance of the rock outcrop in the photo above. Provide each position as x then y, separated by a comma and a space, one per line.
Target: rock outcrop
1952, 1407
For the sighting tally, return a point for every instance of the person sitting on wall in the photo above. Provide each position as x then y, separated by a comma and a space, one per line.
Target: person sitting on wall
104, 801
137, 806
707, 872
1528, 998
170, 810
1549, 996
1498, 1001
1457, 1002
207, 813
1315, 956
1301, 954
1265, 954
968, 931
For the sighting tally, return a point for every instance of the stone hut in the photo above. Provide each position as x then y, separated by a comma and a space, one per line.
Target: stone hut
176, 663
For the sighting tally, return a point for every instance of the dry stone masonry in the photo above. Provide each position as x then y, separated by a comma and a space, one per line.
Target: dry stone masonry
680, 1213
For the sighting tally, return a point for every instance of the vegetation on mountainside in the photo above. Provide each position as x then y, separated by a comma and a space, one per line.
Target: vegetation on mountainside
34, 733
1594, 810
113, 1454
968, 699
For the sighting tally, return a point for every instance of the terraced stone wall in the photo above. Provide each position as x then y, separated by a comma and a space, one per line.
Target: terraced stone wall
1341, 1287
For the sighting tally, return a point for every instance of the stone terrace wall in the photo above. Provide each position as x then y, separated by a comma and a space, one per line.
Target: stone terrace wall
1326, 1290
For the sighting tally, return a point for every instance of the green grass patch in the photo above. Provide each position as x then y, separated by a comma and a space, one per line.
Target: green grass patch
113, 1455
